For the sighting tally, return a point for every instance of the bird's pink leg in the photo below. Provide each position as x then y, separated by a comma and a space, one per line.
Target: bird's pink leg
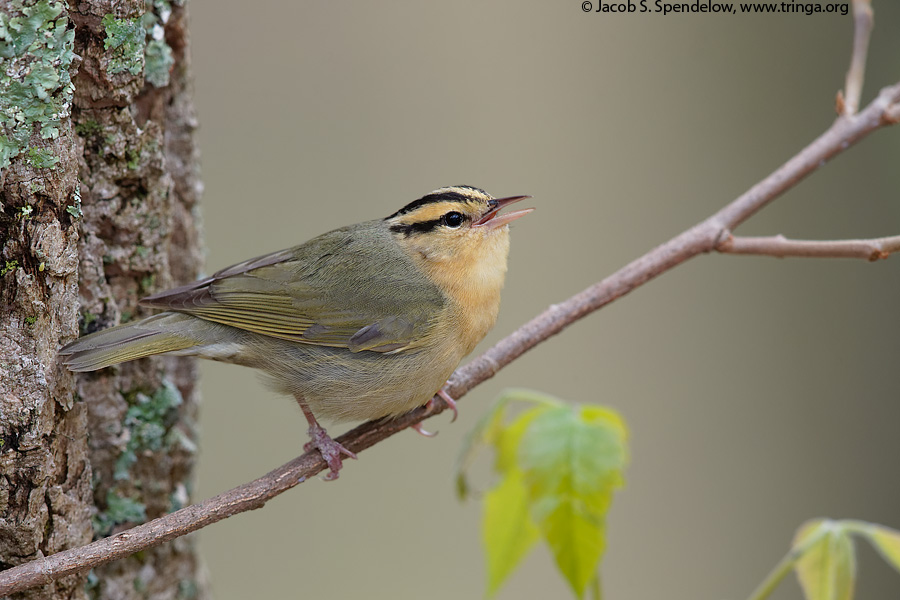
330, 450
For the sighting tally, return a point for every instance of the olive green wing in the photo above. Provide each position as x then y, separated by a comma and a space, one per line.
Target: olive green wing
350, 288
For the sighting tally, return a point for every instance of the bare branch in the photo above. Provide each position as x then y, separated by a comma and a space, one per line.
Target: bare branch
845, 132
242, 498
705, 237
780, 246
848, 102
892, 114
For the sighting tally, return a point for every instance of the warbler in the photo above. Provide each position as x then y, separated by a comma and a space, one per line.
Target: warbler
363, 322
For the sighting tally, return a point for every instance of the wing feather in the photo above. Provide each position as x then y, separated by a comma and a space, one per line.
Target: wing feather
351, 288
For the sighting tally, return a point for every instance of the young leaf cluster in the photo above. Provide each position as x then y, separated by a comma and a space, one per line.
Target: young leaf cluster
558, 466
823, 556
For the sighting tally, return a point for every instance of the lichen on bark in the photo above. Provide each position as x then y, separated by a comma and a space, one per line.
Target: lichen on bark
36, 48
95, 216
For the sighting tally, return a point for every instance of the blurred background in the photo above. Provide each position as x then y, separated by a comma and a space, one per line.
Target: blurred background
759, 392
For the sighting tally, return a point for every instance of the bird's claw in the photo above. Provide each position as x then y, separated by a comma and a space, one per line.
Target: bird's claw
421, 430
451, 403
330, 450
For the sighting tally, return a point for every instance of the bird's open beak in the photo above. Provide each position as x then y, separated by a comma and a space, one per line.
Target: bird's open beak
491, 218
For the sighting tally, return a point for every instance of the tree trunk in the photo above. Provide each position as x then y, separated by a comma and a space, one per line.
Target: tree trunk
100, 186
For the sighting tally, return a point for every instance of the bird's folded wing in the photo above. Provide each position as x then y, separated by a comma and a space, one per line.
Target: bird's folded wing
357, 299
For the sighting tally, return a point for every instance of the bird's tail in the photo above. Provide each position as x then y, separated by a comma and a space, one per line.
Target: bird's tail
165, 332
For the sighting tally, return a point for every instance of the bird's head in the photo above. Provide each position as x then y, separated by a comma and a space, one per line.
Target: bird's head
458, 237
458, 224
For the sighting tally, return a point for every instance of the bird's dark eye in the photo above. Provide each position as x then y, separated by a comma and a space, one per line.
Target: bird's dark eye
453, 219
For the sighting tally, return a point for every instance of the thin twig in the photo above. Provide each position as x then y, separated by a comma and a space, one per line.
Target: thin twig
248, 496
702, 238
848, 103
779, 246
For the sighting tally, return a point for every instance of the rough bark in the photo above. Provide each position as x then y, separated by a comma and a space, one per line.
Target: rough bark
94, 217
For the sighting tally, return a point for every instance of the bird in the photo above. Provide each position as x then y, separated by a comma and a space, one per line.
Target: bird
363, 322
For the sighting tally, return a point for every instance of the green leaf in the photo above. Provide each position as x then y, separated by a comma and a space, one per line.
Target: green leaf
572, 461
559, 466
886, 541
485, 430
490, 430
827, 568
507, 440
508, 531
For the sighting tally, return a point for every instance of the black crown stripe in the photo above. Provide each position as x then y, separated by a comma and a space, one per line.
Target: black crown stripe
439, 197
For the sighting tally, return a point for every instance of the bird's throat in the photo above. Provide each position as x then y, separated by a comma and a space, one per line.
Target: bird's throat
471, 276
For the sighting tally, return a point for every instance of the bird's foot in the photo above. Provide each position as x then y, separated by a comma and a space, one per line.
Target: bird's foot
430, 404
446, 398
421, 430
330, 450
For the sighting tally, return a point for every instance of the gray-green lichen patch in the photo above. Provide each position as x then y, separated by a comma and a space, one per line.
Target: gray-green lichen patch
92, 585
35, 86
158, 58
147, 420
85, 323
159, 61
146, 284
42, 158
138, 44
127, 40
163, 9
88, 128
119, 509
74, 209
187, 589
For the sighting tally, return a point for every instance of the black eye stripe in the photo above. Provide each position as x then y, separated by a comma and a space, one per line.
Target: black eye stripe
426, 226
420, 227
